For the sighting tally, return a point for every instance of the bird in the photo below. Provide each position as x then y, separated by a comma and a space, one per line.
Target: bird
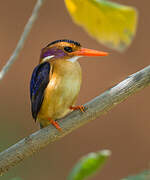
56, 80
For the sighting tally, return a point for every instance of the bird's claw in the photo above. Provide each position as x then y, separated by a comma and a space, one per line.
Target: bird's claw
81, 108
55, 124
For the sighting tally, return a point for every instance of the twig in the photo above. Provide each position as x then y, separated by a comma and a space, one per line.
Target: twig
98, 106
23, 37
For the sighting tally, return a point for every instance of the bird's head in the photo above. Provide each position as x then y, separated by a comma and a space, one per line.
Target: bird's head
67, 50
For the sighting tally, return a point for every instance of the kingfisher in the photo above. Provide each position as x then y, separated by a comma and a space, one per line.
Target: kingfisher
56, 81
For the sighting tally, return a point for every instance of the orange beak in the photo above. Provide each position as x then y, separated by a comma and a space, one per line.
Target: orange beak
89, 52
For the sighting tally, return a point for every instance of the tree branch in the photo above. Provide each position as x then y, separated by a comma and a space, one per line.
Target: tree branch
96, 107
23, 37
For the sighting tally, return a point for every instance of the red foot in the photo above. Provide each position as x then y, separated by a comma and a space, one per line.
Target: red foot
81, 108
54, 123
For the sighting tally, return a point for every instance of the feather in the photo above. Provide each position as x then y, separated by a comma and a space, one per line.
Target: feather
38, 84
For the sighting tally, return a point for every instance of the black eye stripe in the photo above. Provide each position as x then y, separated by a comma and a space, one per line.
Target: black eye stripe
68, 49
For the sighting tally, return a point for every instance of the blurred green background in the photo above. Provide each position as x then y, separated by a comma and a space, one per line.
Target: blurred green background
124, 130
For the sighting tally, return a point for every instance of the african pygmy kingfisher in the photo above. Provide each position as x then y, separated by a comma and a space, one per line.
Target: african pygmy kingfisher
55, 82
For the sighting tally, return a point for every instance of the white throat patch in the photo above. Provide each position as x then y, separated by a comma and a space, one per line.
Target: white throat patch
73, 59
47, 57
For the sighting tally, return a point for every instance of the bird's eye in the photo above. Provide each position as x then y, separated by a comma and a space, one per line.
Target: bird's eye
68, 49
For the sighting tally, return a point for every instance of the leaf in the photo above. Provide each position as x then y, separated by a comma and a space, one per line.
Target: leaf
110, 23
16, 178
88, 165
142, 176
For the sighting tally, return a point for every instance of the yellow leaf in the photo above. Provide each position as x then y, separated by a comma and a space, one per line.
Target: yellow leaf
110, 23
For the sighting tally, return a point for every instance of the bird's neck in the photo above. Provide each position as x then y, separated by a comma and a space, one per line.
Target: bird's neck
66, 68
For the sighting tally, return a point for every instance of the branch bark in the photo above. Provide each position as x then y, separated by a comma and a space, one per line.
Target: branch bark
23, 37
96, 107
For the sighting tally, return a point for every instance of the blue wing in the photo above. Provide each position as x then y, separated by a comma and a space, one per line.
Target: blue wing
38, 83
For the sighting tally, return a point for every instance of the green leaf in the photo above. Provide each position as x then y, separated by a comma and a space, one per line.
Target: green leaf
16, 178
142, 176
88, 165
110, 23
